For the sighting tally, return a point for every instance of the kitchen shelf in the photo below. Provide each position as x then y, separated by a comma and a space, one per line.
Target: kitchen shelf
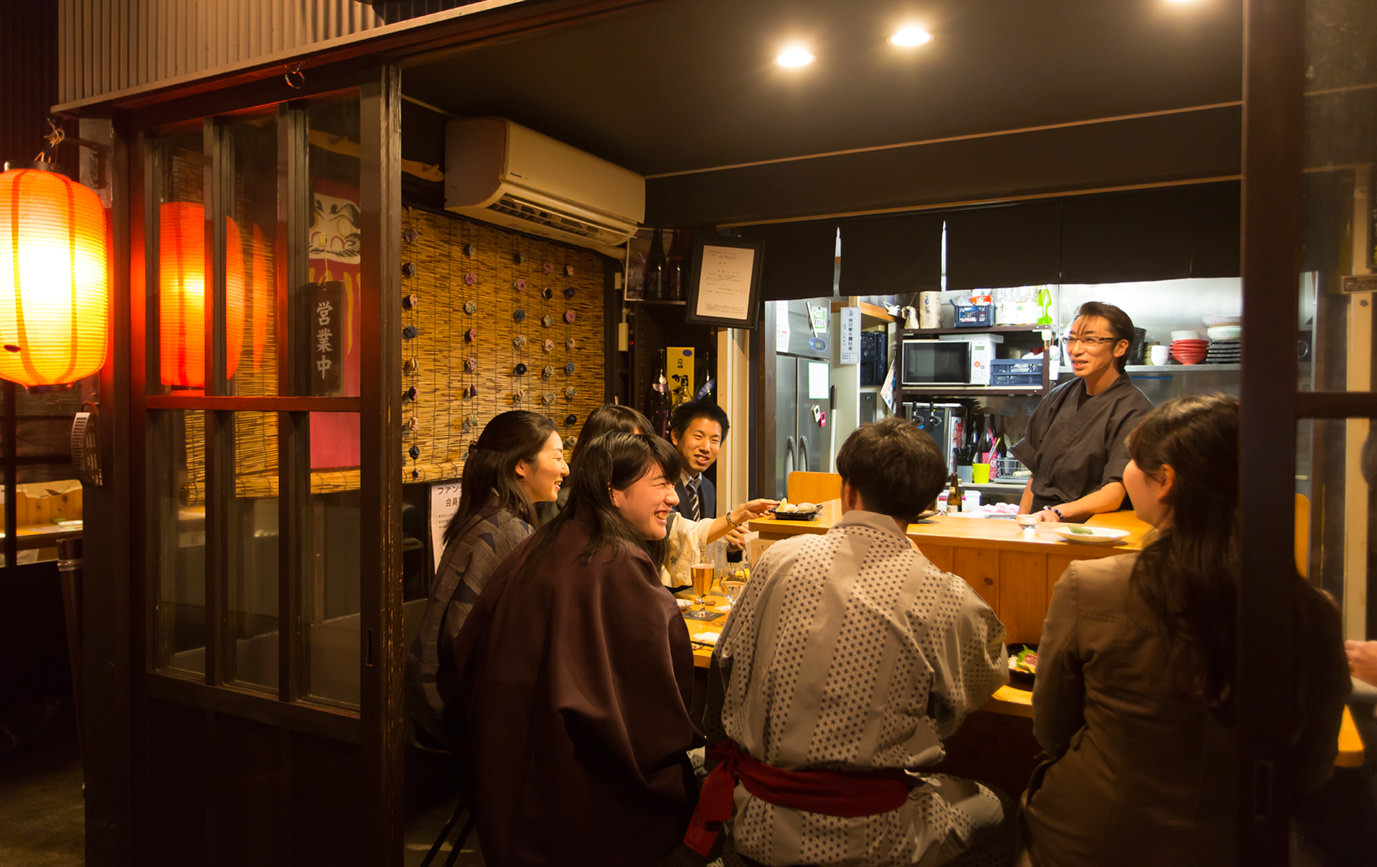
989, 329
872, 315
996, 487
972, 390
1171, 369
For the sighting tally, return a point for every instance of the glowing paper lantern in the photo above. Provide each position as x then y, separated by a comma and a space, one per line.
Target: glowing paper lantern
262, 296
54, 278
182, 295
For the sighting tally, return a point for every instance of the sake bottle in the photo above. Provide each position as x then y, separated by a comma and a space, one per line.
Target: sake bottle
654, 285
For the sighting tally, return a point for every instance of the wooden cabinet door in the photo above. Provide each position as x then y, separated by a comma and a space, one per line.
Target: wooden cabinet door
1022, 595
980, 568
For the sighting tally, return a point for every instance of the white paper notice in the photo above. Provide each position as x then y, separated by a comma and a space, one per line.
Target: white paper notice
444, 502
724, 282
849, 336
817, 380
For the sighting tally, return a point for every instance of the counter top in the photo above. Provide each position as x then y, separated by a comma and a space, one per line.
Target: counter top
962, 531
1013, 570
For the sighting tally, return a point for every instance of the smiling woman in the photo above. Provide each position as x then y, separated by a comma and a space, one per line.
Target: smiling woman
584, 669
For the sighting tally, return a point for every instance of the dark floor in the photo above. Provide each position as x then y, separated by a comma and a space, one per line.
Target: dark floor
41, 809
42, 814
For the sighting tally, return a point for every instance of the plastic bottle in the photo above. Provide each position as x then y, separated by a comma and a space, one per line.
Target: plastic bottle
1044, 306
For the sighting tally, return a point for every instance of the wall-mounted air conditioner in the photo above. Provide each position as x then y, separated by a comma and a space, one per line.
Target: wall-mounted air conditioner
503, 173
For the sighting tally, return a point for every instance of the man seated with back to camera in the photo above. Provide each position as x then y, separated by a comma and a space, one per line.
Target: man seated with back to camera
847, 661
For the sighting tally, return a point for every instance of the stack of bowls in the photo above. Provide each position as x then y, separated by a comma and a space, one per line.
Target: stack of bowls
1224, 332
1188, 347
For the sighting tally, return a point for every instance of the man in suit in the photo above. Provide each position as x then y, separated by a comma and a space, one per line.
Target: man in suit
697, 430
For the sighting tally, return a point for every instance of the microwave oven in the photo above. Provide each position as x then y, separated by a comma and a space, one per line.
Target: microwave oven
956, 359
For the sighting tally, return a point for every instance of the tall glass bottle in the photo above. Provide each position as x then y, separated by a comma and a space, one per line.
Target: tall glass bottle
654, 285
660, 404
706, 376
676, 267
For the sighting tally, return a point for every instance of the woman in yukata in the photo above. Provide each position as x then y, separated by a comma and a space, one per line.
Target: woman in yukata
1134, 691
575, 674
517, 462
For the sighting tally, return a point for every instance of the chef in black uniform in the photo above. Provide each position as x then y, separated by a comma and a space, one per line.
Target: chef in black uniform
1075, 442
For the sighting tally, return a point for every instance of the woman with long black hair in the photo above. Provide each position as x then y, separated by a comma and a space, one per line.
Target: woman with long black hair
686, 540
1134, 695
517, 462
575, 674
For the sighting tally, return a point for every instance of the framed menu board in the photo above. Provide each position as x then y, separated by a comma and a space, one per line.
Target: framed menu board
724, 284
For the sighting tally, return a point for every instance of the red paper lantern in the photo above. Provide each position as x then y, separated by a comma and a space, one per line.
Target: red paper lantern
182, 295
262, 296
54, 278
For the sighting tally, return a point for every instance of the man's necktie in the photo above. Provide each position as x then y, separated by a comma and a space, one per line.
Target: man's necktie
695, 508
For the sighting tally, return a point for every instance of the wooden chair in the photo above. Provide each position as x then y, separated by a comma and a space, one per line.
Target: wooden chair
806, 487
1303, 535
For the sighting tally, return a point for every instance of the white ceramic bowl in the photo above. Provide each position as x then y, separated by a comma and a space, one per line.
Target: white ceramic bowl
1223, 319
1224, 332
1185, 335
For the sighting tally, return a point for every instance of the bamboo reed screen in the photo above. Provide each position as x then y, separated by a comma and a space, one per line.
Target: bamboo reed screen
480, 309
465, 362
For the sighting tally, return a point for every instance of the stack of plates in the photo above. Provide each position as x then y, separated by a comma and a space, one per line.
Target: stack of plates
1189, 351
1223, 352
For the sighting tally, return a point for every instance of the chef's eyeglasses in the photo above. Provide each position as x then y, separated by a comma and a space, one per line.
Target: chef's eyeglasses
1071, 339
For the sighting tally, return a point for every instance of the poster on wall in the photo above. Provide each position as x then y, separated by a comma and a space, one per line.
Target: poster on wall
444, 503
335, 324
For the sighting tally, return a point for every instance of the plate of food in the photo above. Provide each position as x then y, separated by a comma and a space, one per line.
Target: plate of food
1090, 535
787, 511
1023, 663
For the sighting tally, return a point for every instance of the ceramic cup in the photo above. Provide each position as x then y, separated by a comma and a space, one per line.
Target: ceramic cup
929, 309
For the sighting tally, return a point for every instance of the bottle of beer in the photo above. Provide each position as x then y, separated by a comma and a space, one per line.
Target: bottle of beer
954, 494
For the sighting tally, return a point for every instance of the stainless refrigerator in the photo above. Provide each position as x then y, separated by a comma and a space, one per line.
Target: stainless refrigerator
803, 391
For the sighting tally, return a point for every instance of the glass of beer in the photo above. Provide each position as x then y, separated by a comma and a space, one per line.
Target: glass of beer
703, 576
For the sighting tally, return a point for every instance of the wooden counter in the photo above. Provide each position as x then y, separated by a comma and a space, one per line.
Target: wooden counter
1012, 570
1010, 699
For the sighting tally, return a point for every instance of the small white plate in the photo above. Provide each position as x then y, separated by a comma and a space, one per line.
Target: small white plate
684, 604
1091, 535
706, 637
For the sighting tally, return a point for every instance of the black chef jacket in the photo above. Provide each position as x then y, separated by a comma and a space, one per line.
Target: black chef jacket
1074, 447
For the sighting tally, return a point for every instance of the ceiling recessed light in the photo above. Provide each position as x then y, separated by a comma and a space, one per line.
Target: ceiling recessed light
794, 55
909, 36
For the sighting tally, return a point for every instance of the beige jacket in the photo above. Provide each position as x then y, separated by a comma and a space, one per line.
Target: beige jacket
1142, 775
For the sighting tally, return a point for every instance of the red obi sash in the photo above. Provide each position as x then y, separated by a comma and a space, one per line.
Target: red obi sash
832, 793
